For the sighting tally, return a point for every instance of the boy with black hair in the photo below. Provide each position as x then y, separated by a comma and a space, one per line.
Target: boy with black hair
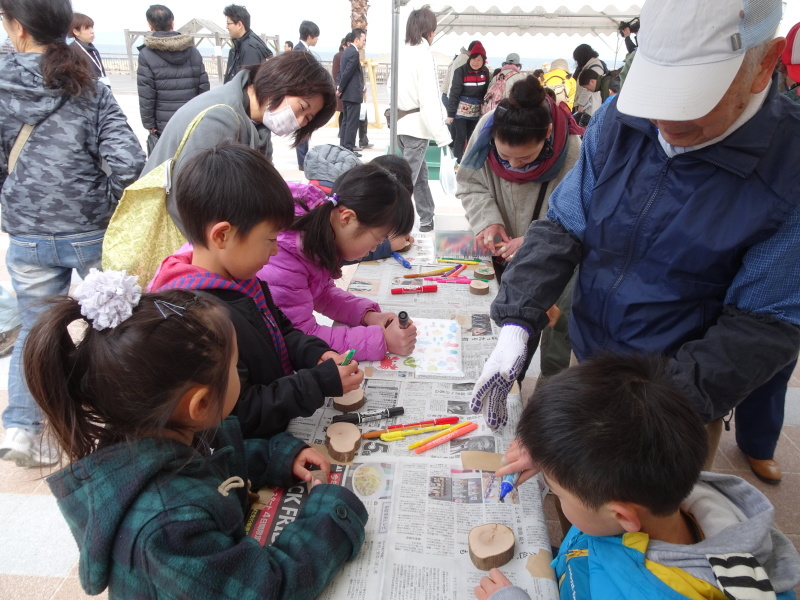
233, 203
620, 445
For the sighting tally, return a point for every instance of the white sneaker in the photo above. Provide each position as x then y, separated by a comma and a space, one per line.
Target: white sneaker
28, 449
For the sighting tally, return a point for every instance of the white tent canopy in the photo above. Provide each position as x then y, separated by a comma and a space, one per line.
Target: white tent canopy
586, 20
509, 20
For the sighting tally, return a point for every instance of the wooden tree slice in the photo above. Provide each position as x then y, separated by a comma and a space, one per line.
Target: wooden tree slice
484, 273
491, 545
342, 441
350, 401
479, 288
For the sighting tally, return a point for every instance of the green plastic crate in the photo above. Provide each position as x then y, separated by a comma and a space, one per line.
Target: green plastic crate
433, 158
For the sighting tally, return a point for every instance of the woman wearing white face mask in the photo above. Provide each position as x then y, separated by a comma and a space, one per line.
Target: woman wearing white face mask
289, 94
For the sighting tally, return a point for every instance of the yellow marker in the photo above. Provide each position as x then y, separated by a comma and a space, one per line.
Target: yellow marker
458, 261
399, 434
438, 435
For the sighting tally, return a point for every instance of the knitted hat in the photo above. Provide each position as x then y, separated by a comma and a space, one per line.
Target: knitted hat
477, 49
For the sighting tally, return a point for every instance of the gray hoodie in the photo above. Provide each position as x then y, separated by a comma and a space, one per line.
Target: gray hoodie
735, 518
79, 158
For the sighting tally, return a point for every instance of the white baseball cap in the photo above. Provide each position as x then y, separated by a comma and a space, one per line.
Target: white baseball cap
689, 53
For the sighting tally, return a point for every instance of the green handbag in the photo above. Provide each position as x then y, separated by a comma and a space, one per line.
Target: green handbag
141, 234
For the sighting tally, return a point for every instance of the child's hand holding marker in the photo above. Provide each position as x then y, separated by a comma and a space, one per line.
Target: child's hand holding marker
400, 340
349, 373
517, 460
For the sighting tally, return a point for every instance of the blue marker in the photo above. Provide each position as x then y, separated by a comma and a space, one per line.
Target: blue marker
507, 484
401, 260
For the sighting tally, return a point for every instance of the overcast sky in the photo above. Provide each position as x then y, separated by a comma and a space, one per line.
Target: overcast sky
333, 18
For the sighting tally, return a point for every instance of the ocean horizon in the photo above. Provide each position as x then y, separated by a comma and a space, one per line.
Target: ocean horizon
528, 63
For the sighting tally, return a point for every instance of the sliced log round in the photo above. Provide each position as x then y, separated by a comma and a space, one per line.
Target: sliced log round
342, 441
484, 273
491, 545
350, 401
479, 288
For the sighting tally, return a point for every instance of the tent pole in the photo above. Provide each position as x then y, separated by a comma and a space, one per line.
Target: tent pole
394, 78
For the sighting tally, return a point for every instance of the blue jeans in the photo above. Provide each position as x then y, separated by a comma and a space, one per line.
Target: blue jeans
9, 316
759, 418
41, 266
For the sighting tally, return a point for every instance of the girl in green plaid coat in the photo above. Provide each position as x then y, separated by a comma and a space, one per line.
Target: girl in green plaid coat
156, 490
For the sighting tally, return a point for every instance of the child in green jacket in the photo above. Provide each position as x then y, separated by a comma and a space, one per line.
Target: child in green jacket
156, 491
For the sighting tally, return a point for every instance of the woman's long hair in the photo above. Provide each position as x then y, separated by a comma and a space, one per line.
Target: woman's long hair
582, 55
48, 23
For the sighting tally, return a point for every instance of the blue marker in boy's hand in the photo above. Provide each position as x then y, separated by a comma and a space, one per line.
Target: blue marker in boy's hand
507, 484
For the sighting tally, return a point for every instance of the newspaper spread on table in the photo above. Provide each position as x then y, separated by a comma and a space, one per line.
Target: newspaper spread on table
421, 507
452, 301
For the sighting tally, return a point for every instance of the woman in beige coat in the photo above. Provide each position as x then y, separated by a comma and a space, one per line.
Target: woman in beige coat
515, 158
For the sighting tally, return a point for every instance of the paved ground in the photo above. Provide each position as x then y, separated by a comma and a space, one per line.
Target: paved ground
38, 557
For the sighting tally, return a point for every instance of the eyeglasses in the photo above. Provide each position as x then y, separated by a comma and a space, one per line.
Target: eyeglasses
230, 23
374, 237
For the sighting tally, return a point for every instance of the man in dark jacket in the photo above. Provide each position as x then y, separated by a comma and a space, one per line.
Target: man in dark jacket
350, 88
681, 214
309, 36
248, 48
170, 72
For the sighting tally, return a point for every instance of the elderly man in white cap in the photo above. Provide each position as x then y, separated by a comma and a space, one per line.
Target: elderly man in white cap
682, 212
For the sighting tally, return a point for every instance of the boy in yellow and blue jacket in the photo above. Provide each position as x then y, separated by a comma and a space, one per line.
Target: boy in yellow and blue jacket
618, 442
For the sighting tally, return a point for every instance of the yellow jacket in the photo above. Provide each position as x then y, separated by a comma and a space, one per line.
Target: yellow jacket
555, 77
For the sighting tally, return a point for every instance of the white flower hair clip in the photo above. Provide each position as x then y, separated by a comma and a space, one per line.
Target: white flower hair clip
107, 298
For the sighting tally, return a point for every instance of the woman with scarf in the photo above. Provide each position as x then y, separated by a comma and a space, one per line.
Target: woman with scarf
515, 158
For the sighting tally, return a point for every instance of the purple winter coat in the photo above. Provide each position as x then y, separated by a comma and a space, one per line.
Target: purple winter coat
300, 287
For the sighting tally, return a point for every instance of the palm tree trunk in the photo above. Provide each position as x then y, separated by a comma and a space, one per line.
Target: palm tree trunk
358, 13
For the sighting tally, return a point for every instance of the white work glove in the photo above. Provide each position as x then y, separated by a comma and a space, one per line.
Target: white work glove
499, 373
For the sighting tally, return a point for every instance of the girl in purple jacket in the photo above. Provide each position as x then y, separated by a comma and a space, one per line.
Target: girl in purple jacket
367, 205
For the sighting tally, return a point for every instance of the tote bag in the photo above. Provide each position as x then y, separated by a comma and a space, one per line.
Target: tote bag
141, 233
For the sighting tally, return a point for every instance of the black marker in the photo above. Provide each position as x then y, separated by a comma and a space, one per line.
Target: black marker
402, 318
359, 418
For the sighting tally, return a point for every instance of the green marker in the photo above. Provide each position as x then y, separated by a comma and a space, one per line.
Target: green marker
348, 357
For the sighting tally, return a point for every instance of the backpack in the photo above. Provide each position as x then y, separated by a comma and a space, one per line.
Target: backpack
604, 81
560, 89
496, 91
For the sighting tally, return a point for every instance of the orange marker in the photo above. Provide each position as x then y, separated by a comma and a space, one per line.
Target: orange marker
453, 434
